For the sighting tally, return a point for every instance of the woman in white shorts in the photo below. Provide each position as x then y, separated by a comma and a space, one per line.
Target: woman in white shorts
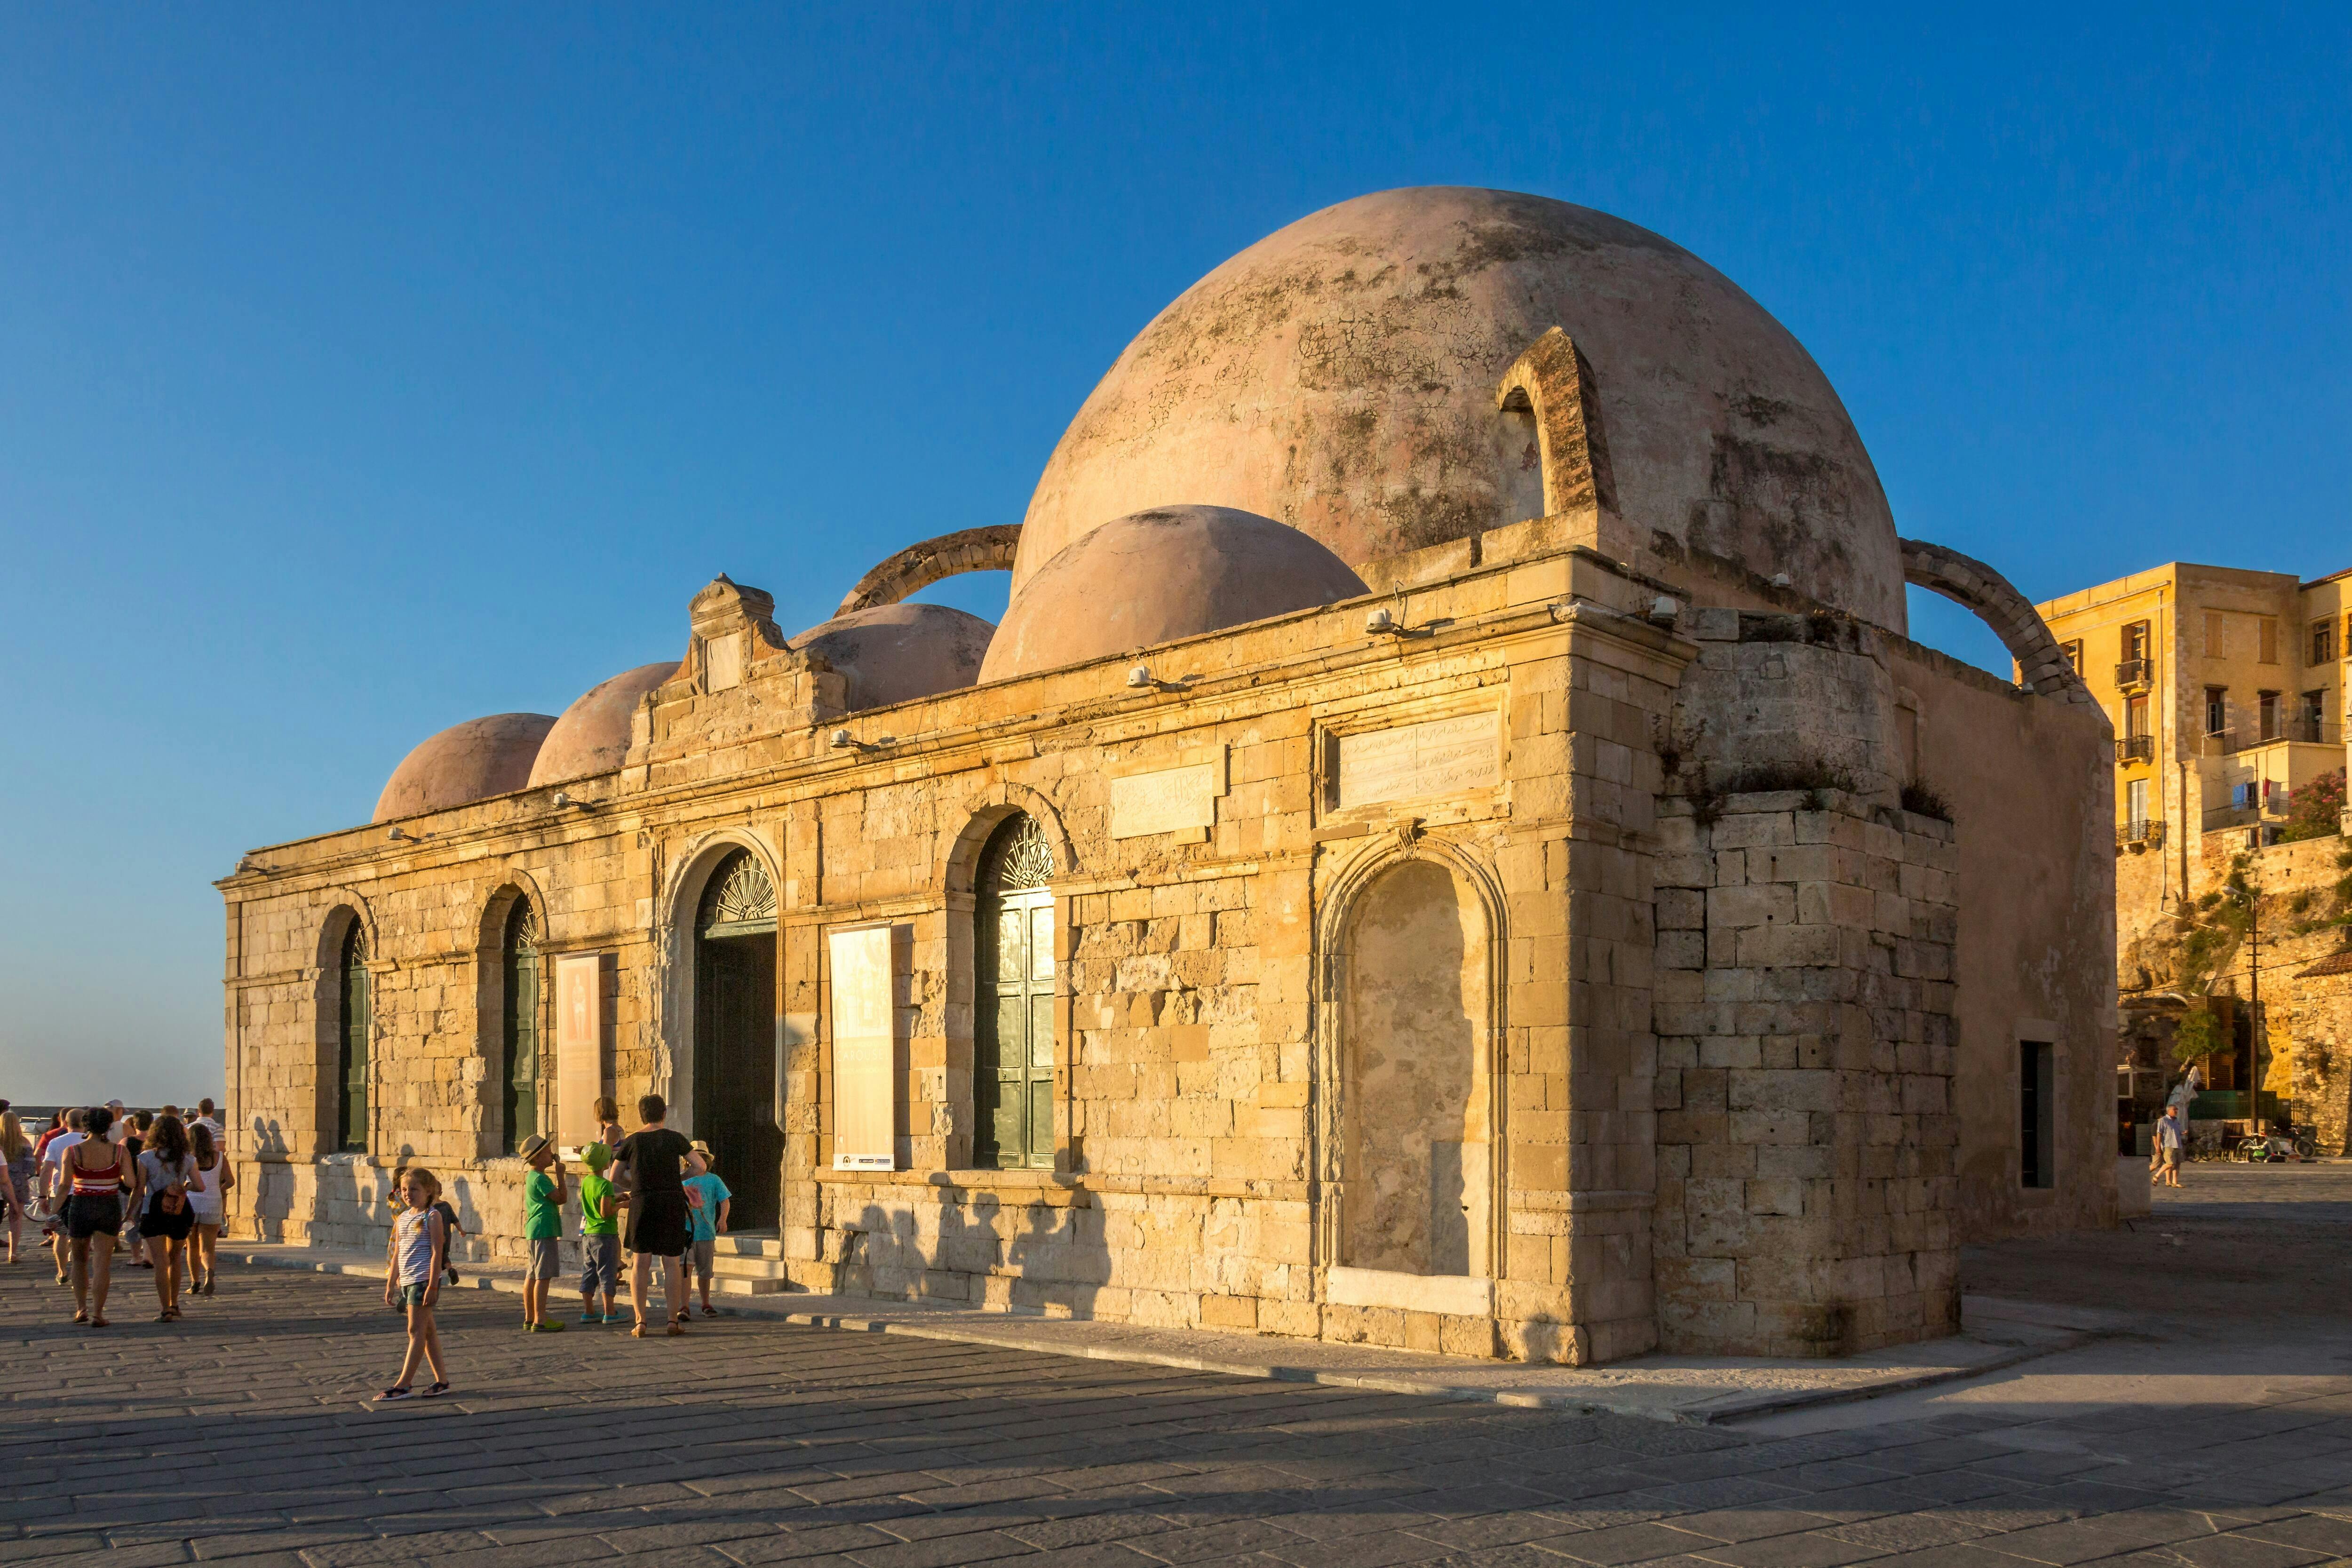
213, 1180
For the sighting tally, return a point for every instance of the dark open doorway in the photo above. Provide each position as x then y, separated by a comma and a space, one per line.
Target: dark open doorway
735, 1039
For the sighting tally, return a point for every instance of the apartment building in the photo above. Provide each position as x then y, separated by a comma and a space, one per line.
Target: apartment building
2226, 688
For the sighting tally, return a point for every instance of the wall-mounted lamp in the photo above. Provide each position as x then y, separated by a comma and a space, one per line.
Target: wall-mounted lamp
1140, 678
399, 835
1662, 611
842, 741
1384, 621
562, 799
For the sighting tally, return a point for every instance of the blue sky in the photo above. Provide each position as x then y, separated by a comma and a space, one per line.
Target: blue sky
364, 370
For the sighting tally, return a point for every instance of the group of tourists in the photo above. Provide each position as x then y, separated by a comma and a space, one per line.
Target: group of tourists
651, 1193
99, 1178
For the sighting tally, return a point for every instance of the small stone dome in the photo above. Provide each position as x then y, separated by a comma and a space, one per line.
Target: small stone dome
1155, 576
593, 735
1340, 375
895, 653
468, 761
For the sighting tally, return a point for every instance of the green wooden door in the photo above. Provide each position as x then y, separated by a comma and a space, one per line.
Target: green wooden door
1014, 1076
520, 1077
352, 1041
735, 1039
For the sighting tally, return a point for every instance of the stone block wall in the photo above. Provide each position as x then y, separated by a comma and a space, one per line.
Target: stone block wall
1807, 1139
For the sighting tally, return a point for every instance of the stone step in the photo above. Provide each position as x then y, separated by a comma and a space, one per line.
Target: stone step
723, 1284
750, 1244
723, 1267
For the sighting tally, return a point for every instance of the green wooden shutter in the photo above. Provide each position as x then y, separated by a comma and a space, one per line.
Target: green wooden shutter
520, 1077
353, 1041
1013, 1048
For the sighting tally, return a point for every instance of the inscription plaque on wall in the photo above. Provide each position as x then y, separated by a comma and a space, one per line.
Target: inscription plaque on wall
579, 1047
1443, 757
864, 1098
1169, 801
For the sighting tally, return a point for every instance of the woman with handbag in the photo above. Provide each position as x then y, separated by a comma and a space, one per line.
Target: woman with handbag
166, 1170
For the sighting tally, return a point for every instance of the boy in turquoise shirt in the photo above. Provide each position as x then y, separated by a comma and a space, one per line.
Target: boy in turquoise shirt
542, 1230
708, 1200
600, 1237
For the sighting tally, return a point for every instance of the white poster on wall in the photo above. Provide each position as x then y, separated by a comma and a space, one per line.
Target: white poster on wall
864, 1098
579, 1047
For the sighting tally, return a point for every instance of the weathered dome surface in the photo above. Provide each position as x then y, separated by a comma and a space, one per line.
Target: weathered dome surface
1154, 576
895, 653
593, 734
468, 761
1340, 376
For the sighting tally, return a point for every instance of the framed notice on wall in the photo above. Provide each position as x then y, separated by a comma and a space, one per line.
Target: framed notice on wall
579, 1047
864, 1093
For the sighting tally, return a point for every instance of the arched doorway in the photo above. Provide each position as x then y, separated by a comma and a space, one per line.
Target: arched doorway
735, 1038
1012, 953
351, 1046
1419, 1168
518, 1032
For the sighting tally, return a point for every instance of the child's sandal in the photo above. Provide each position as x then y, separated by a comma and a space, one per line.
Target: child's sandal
398, 1391
436, 1392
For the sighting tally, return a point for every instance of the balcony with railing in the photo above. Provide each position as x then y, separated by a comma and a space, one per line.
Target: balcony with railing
2140, 833
2301, 729
2134, 672
2131, 749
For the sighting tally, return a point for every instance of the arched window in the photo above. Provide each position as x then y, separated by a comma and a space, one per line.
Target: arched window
519, 1036
352, 1046
1013, 952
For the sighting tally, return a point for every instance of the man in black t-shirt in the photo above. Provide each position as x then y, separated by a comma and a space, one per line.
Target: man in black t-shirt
656, 1160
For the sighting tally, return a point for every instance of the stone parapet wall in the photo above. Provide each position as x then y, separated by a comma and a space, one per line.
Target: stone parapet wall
1807, 1139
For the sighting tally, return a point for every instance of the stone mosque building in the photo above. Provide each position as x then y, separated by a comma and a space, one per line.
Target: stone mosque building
1450, 847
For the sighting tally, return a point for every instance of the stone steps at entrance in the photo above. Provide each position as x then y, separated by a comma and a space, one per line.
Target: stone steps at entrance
749, 1263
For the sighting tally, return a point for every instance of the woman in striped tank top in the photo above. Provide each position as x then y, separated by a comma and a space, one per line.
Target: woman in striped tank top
93, 1176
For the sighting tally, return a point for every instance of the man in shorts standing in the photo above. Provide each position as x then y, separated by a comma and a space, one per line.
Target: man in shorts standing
542, 1230
2170, 1136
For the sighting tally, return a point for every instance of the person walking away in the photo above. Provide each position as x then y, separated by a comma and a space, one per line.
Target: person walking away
654, 1159
133, 1145
93, 1174
2170, 1135
17, 1153
207, 1117
167, 1166
708, 1200
543, 1192
209, 1200
53, 1191
608, 1122
600, 1236
416, 1256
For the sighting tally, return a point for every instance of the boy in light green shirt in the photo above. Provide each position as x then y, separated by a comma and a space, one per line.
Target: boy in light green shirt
542, 1230
600, 1237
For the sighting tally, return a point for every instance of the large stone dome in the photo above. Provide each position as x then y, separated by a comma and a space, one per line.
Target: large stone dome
1173, 571
895, 653
1340, 376
592, 736
468, 761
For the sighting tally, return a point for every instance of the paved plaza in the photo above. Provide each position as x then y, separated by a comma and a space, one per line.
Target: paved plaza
2211, 1438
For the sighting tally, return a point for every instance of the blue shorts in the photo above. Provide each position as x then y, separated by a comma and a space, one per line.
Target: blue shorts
404, 1296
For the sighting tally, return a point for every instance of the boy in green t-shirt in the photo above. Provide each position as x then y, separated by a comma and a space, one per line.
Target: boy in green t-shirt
600, 1237
542, 1230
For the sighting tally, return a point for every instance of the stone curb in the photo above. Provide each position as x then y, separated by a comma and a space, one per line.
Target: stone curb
1054, 1337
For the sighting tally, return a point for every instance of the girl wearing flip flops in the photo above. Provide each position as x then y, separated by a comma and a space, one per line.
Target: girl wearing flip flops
418, 1254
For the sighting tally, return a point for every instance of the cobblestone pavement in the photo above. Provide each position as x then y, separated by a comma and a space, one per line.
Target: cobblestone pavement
243, 1434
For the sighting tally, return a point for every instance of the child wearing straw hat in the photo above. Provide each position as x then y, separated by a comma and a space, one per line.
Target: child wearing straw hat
542, 1229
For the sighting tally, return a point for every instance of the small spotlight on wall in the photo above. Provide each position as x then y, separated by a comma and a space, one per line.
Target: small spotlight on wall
842, 741
563, 799
1662, 610
1140, 678
395, 835
1381, 620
